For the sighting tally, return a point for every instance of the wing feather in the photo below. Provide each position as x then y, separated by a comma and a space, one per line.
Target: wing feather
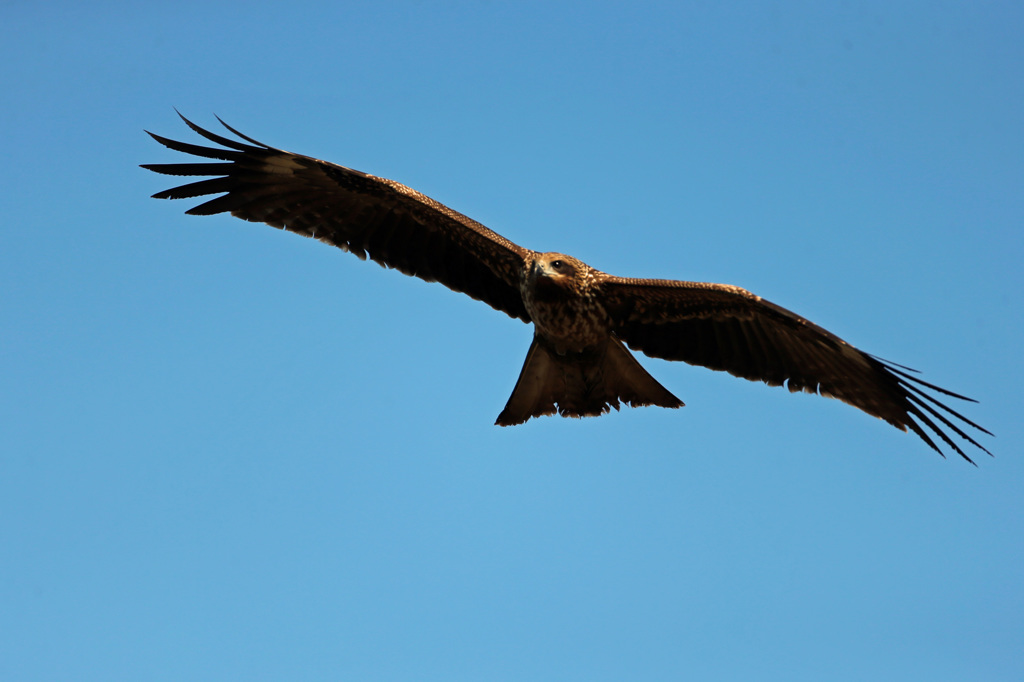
729, 329
366, 215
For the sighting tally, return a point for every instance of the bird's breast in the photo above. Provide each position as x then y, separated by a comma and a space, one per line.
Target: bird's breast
569, 322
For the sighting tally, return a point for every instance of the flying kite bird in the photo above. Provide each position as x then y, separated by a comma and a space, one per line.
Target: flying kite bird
583, 319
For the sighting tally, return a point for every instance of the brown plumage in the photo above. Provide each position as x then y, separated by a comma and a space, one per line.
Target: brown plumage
578, 364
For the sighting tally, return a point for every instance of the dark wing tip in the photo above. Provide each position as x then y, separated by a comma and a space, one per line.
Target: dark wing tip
224, 169
923, 410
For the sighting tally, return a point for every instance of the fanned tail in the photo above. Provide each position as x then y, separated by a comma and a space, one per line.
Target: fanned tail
584, 384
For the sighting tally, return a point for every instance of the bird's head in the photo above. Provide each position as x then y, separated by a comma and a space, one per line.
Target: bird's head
556, 270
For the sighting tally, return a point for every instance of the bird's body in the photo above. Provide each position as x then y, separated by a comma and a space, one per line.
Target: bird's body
578, 364
575, 366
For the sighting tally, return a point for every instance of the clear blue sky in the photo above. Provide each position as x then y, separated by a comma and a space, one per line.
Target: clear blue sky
227, 452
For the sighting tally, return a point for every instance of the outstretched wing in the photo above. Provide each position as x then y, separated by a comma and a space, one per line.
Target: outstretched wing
369, 216
727, 328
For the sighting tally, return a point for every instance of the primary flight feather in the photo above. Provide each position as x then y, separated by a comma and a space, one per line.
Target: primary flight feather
577, 365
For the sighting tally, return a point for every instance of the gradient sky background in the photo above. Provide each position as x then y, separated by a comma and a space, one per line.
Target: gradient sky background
227, 452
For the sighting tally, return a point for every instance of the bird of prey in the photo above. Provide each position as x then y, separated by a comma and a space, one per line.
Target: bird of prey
583, 319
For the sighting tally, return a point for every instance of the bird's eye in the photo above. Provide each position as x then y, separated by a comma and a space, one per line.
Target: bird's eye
557, 264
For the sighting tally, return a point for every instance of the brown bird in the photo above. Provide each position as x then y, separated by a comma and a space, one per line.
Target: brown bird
577, 365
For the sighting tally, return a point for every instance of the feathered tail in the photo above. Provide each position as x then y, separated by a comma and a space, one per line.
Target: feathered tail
584, 384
